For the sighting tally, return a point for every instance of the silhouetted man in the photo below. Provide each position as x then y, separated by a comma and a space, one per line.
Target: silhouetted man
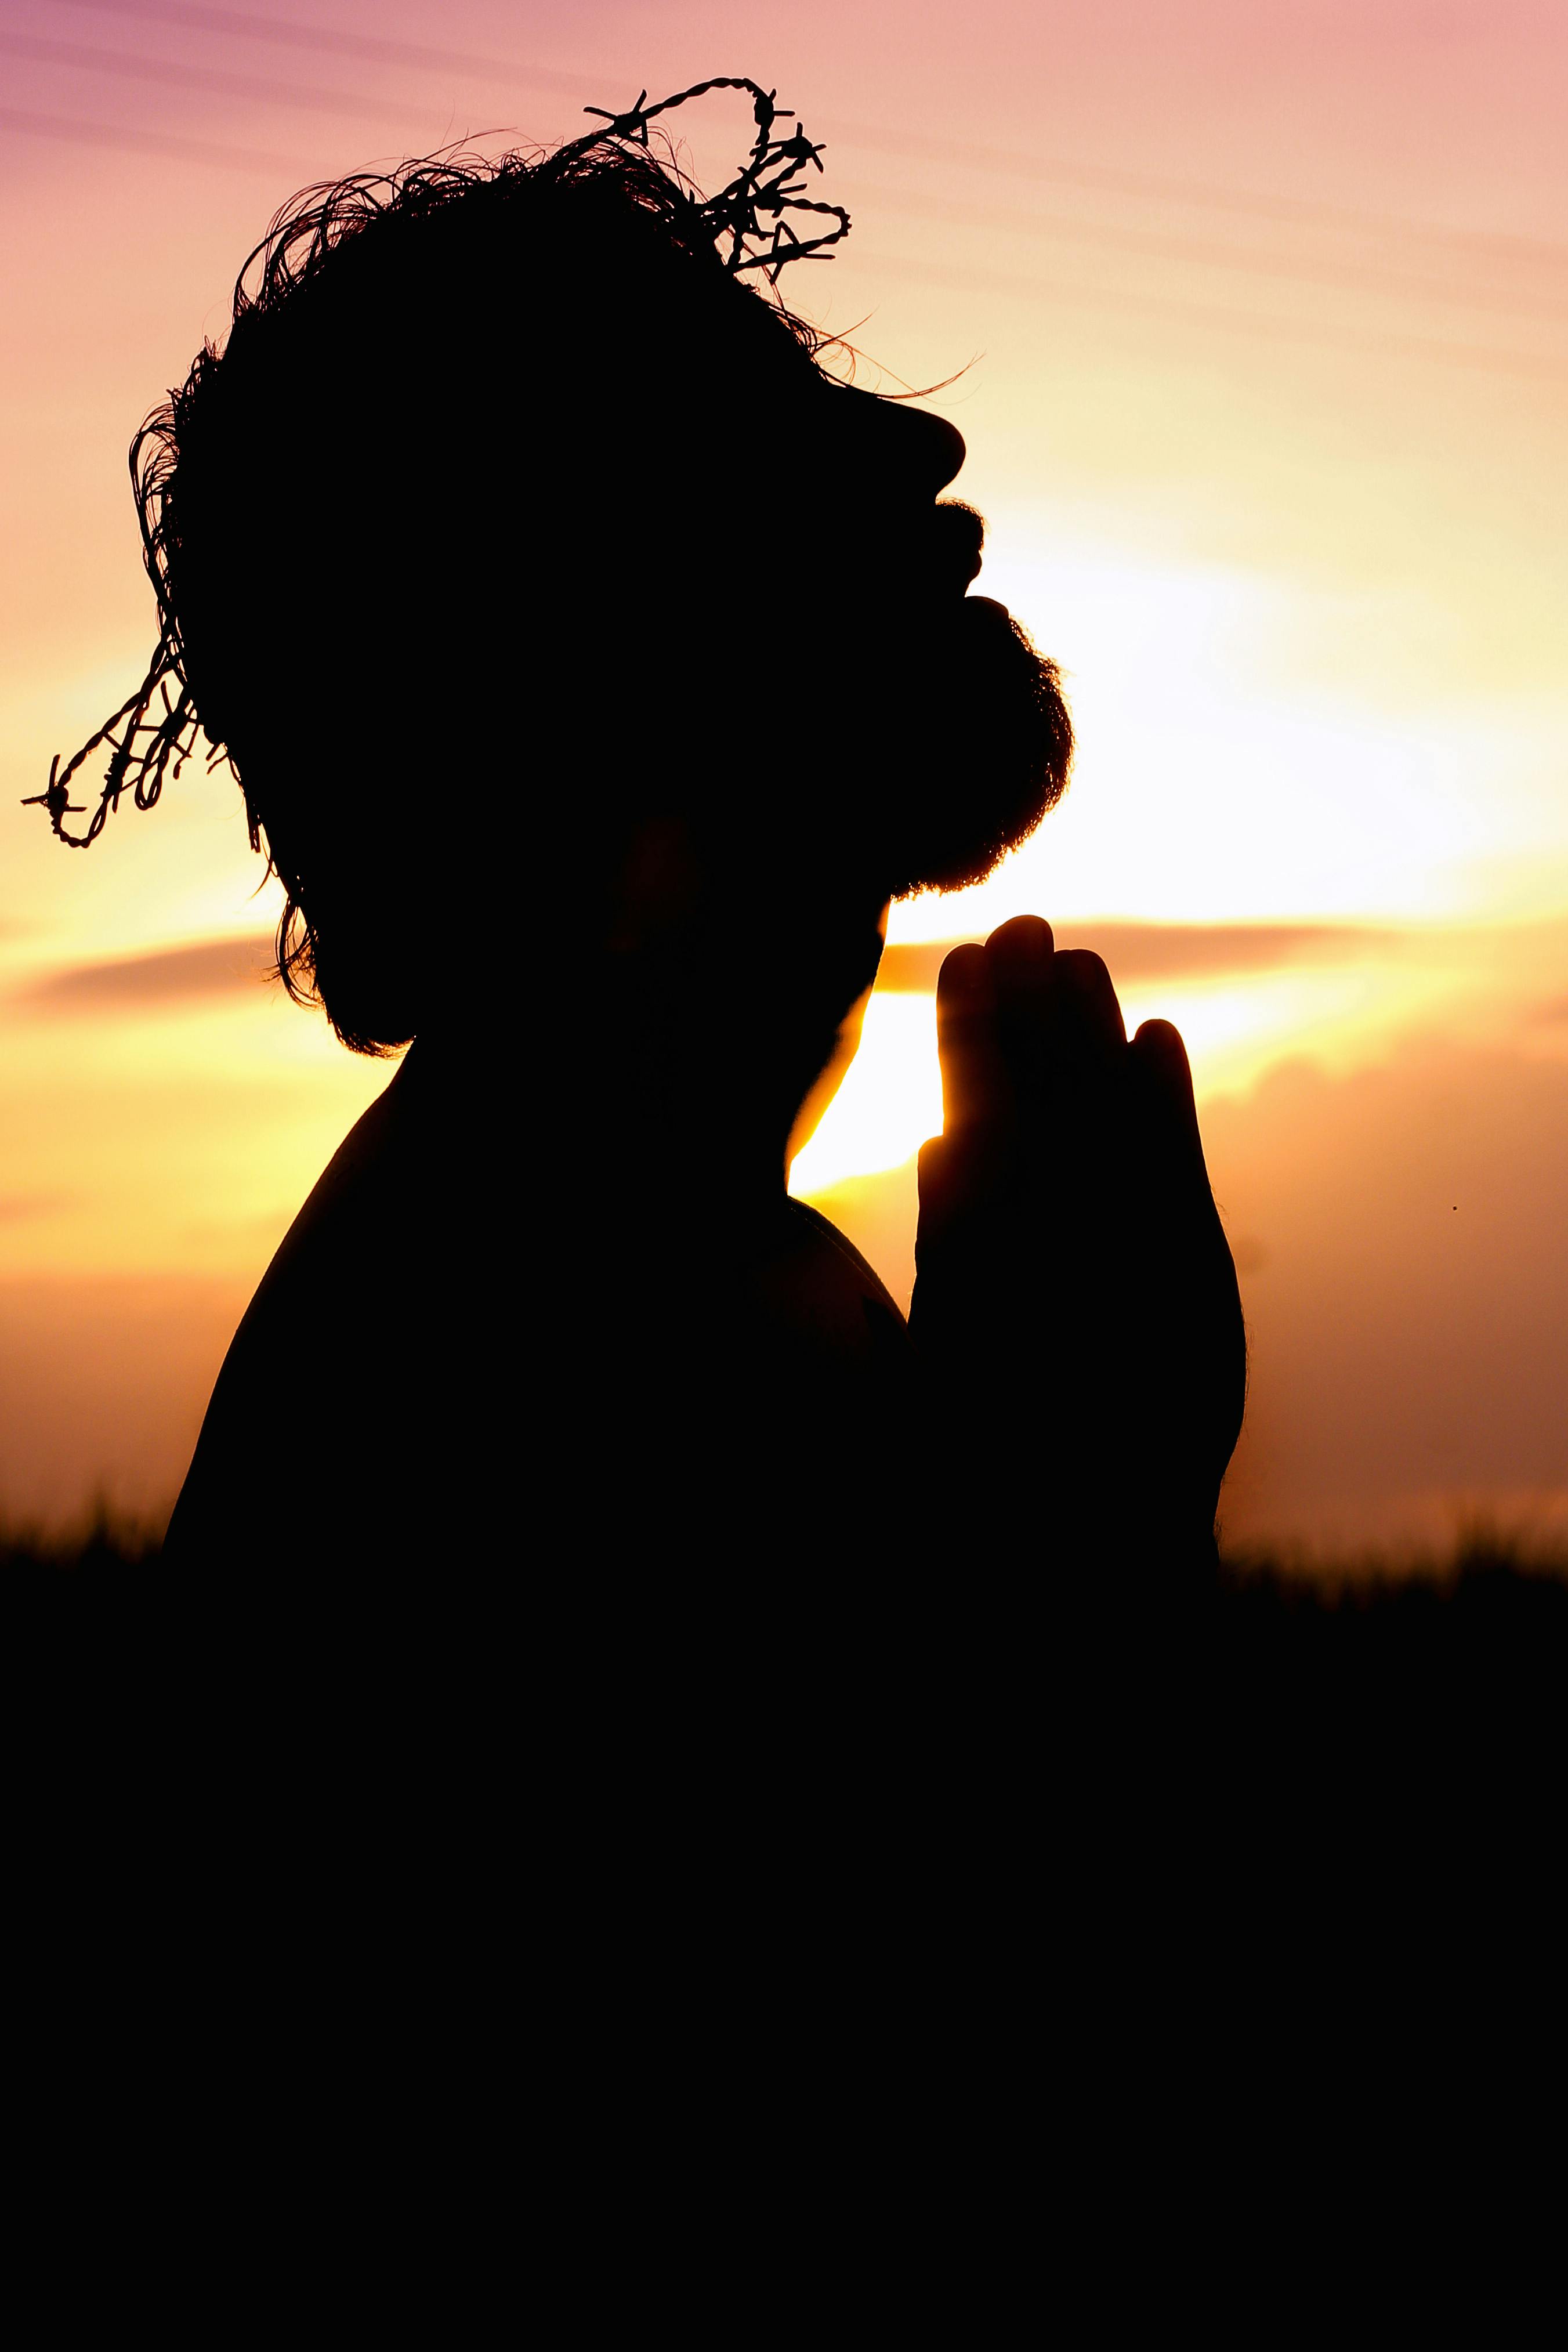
597, 667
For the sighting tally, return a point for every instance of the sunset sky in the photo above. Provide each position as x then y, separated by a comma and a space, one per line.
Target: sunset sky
1262, 316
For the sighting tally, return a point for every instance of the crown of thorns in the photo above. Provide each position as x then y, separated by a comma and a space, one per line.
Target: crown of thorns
154, 731
767, 185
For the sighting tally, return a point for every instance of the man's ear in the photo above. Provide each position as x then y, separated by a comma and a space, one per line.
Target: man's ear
658, 885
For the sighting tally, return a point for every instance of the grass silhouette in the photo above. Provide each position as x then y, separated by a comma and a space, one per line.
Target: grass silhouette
1305, 1690
106, 1542
1497, 1593
1490, 1573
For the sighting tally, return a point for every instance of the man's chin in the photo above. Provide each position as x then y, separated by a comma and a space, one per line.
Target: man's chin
986, 753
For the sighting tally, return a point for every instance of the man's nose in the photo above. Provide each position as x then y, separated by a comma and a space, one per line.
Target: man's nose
935, 448
923, 451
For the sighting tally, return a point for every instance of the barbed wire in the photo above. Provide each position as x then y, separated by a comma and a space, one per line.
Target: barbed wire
172, 737
735, 213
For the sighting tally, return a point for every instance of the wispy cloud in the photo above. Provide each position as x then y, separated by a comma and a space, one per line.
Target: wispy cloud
162, 982
18, 1208
1167, 950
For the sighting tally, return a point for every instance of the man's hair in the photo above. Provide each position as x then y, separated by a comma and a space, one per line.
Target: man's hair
297, 496
500, 519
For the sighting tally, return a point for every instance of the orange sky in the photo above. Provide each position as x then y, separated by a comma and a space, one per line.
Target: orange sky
1266, 320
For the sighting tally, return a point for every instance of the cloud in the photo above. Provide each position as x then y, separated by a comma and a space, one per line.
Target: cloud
163, 982
1403, 1246
18, 1208
1167, 951
188, 975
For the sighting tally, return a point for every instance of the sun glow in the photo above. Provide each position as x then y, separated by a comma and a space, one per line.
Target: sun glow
1227, 768
889, 1103
1239, 760
1236, 1029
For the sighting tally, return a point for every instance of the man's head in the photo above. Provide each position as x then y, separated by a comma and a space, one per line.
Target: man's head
509, 525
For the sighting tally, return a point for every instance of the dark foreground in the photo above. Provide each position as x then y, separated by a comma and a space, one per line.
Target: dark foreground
1492, 1587
1255, 1727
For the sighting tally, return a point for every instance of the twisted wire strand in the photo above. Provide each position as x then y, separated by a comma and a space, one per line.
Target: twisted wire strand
134, 765
733, 213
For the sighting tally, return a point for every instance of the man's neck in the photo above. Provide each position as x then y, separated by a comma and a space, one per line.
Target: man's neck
668, 1080
616, 1120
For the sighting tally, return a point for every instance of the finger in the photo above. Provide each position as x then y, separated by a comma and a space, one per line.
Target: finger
1021, 944
957, 1174
1059, 1023
1089, 1024
975, 1083
1159, 1056
941, 1174
1021, 959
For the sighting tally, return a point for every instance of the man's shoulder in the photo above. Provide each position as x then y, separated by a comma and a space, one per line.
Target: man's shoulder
350, 1194
336, 1357
816, 1290
819, 1238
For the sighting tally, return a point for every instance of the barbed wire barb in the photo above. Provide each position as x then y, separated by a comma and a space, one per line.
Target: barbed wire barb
732, 215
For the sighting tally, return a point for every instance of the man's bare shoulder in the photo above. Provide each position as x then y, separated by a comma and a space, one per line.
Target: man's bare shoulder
348, 1193
820, 1290
823, 1241
333, 1332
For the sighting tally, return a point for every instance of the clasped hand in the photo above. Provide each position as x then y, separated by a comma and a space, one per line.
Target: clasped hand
1076, 1294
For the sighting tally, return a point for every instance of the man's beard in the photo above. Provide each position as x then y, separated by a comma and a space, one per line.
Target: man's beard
972, 751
